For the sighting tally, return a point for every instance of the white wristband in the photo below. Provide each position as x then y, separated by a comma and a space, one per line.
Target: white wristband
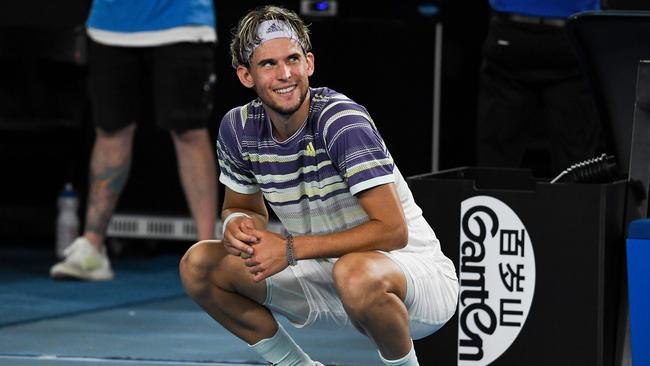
230, 217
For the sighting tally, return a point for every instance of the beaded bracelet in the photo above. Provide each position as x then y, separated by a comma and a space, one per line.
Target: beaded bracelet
291, 259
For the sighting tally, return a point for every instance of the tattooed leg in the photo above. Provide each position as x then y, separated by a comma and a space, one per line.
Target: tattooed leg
109, 170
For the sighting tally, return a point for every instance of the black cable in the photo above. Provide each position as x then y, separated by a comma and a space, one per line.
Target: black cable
597, 170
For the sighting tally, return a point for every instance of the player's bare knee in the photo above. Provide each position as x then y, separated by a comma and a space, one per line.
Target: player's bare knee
358, 286
197, 265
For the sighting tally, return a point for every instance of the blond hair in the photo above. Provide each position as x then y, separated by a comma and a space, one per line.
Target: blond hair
246, 39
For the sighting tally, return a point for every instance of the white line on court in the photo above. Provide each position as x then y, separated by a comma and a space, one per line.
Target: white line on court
118, 361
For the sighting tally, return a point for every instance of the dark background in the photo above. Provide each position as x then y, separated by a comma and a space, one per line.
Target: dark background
380, 54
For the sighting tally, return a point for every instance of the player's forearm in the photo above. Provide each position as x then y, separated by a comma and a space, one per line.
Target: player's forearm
372, 235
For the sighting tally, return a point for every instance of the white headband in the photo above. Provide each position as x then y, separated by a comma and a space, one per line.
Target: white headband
271, 29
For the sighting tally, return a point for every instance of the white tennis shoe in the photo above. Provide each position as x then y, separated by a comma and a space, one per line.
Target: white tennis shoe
83, 262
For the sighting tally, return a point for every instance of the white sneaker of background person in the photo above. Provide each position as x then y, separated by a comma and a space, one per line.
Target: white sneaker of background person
83, 261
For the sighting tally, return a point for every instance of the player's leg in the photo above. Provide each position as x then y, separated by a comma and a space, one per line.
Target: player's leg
197, 170
576, 132
183, 78
109, 169
372, 289
86, 257
222, 286
115, 88
506, 102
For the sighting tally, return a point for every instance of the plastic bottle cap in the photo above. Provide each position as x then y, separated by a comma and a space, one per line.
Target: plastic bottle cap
68, 191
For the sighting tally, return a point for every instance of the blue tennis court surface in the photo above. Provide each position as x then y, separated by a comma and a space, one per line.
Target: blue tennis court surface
141, 318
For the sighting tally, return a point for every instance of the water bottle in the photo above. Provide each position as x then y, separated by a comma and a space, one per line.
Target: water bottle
67, 222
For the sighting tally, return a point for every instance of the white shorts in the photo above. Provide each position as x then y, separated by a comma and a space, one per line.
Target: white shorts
305, 293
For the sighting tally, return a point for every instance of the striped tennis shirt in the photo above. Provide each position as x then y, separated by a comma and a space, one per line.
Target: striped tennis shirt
310, 180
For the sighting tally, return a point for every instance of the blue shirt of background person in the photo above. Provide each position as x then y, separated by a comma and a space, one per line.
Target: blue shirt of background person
149, 15
545, 8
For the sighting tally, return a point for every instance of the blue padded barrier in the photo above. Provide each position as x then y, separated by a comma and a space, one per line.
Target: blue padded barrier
638, 269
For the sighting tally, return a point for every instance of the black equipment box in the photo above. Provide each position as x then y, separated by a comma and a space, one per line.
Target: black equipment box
538, 263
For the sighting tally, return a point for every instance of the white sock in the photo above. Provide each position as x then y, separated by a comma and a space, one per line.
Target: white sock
409, 360
281, 350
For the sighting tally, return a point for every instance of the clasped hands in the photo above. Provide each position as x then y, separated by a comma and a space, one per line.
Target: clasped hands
263, 251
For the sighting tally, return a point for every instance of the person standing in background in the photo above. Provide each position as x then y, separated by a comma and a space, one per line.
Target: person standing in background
164, 48
530, 74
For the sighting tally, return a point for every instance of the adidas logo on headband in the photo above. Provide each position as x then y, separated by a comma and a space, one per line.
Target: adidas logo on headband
273, 28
